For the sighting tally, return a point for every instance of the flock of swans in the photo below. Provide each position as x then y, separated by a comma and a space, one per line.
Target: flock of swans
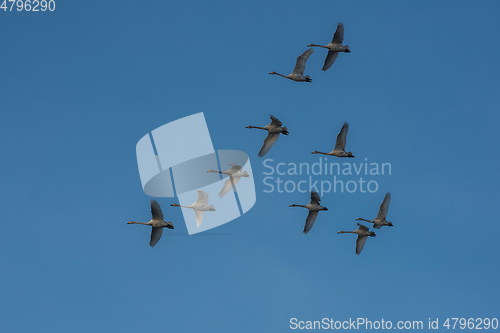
363, 231
334, 48
199, 207
274, 129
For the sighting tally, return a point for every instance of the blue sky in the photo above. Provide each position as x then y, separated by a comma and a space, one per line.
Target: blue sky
81, 85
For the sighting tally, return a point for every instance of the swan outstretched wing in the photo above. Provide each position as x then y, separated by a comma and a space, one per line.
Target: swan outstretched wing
384, 207
301, 62
338, 36
234, 168
360, 243
268, 143
363, 227
228, 185
311, 217
155, 236
342, 138
315, 198
202, 198
330, 59
276, 121
199, 217
156, 211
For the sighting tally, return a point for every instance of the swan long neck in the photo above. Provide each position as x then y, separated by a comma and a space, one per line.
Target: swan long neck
176, 205
279, 74
262, 128
294, 205
323, 46
133, 222
214, 171
362, 219
346, 232
318, 152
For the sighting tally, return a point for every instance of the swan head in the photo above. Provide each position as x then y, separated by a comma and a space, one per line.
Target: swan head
340, 232
273, 73
308, 79
170, 225
346, 49
175, 205
130, 222
310, 45
284, 131
315, 152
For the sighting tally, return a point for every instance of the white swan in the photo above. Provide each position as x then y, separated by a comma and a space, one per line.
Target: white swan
298, 71
234, 174
274, 129
334, 47
199, 206
339, 149
363, 232
380, 220
314, 207
156, 222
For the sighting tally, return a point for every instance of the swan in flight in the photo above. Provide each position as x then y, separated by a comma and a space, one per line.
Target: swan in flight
199, 206
156, 222
339, 150
380, 220
298, 71
314, 207
274, 129
334, 47
235, 173
363, 232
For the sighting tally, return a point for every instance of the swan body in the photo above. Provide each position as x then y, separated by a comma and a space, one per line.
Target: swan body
199, 206
380, 220
314, 207
275, 129
334, 48
298, 72
363, 232
235, 173
156, 222
339, 149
